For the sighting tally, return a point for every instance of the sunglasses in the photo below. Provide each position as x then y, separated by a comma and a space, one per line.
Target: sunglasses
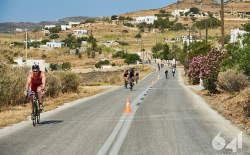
35, 71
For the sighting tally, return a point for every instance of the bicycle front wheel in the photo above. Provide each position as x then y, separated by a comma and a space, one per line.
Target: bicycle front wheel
34, 113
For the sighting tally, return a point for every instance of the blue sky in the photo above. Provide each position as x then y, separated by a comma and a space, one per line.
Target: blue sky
50, 10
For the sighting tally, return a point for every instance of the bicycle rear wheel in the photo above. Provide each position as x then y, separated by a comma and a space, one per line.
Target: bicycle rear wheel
34, 114
131, 85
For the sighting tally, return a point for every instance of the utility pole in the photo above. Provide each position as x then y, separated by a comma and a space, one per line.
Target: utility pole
26, 46
189, 37
175, 52
206, 31
222, 24
200, 33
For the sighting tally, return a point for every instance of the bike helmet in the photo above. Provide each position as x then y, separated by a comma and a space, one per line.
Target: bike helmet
126, 69
35, 67
136, 72
132, 69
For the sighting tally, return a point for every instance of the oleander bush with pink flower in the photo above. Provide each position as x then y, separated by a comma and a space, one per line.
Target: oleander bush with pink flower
207, 68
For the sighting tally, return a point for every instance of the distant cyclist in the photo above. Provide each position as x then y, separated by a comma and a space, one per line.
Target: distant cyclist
131, 75
125, 76
37, 81
173, 71
137, 76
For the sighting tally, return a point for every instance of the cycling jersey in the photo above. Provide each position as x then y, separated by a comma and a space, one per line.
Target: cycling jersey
36, 82
126, 72
131, 74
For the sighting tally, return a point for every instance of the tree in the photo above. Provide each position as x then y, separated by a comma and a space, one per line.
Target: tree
121, 18
128, 18
35, 44
98, 65
138, 36
54, 36
80, 55
193, 19
177, 27
93, 55
162, 11
114, 17
44, 41
242, 58
56, 29
198, 47
194, 10
125, 31
131, 58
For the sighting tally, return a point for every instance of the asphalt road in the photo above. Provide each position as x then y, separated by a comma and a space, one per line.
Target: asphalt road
166, 119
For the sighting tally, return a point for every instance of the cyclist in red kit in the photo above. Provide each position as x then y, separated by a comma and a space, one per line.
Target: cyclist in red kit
37, 81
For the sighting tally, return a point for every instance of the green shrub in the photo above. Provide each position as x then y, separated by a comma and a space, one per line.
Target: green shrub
53, 85
69, 80
98, 65
93, 55
113, 64
80, 55
66, 65
231, 81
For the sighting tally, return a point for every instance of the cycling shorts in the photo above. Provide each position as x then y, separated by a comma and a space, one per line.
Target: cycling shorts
34, 88
125, 75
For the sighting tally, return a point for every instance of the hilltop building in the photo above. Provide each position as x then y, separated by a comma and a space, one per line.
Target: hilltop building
71, 25
147, 19
49, 26
55, 44
177, 12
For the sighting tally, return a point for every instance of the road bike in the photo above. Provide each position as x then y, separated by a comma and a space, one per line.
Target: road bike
126, 83
36, 108
131, 84
136, 80
166, 74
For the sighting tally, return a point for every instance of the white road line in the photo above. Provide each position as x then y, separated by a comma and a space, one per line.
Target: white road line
123, 126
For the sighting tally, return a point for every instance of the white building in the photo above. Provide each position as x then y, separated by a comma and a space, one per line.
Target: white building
106, 66
191, 40
177, 12
81, 32
65, 27
237, 35
49, 26
55, 44
30, 62
147, 19
30, 41
18, 30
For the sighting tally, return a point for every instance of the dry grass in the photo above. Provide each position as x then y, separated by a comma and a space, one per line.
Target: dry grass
19, 113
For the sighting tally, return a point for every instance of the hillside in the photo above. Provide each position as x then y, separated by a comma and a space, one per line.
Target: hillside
10, 26
204, 5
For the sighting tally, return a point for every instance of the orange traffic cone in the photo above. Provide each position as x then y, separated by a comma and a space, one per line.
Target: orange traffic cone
127, 109
153, 83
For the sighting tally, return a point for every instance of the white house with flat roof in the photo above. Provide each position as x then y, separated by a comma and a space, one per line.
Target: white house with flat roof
55, 44
237, 35
81, 32
18, 30
49, 26
147, 19
177, 12
30, 62
65, 27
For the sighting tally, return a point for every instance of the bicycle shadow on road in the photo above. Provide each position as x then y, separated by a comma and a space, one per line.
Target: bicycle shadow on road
51, 122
